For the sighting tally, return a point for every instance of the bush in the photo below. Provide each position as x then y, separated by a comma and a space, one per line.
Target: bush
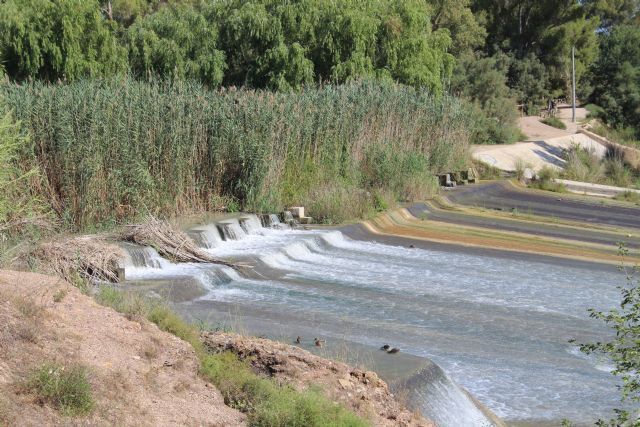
545, 180
66, 389
583, 165
554, 122
594, 111
269, 404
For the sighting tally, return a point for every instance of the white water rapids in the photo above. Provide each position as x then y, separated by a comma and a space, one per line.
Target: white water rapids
499, 327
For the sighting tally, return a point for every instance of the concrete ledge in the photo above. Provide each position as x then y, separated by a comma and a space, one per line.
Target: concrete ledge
594, 189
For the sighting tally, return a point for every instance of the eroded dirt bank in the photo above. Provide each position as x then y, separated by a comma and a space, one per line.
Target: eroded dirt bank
141, 375
361, 391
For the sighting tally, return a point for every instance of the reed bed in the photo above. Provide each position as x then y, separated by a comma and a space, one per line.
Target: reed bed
111, 149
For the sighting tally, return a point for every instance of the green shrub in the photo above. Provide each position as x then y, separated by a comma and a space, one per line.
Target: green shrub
554, 122
486, 171
66, 389
269, 404
624, 136
583, 165
594, 111
545, 180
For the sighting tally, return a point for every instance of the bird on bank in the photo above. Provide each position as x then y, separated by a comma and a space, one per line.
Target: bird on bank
298, 339
385, 347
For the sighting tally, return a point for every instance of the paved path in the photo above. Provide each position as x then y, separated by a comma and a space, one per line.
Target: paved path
502, 195
544, 145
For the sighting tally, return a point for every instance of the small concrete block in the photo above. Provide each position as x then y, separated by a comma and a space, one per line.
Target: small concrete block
297, 211
305, 220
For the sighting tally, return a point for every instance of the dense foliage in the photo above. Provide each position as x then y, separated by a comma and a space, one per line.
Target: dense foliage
616, 77
112, 148
54, 40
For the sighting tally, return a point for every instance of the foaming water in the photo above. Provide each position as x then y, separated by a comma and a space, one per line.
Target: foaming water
500, 327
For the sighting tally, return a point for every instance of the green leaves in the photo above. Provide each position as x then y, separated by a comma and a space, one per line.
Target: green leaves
52, 40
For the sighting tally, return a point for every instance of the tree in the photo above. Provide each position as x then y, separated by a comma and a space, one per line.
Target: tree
176, 42
61, 39
547, 29
483, 81
616, 77
467, 32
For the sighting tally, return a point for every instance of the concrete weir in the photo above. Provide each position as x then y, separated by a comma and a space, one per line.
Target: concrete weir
498, 326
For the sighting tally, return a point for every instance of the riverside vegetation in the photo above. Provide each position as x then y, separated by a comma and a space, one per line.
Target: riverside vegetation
109, 149
181, 106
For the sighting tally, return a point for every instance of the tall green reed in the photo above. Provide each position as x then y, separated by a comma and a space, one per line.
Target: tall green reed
113, 148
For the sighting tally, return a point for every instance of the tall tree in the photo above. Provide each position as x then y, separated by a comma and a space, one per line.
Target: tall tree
61, 39
616, 77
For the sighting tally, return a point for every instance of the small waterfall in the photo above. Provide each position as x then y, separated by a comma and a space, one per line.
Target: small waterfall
142, 257
274, 220
438, 398
206, 237
231, 230
250, 224
287, 218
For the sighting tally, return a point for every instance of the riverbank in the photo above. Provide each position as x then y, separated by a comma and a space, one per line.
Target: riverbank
140, 375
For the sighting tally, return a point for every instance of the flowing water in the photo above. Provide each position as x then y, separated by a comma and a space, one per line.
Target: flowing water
499, 327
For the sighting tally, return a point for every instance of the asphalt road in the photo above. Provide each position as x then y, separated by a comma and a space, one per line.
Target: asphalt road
535, 229
501, 195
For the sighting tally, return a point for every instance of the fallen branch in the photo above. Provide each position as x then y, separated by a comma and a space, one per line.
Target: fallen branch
170, 242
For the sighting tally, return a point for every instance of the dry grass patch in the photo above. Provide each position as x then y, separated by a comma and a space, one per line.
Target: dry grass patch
80, 259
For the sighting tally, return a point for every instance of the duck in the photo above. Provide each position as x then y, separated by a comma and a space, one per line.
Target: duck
385, 347
393, 350
298, 339
318, 342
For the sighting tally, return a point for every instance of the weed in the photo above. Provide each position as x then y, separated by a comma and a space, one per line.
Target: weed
554, 122
629, 196
520, 167
66, 389
59, 295
267, 403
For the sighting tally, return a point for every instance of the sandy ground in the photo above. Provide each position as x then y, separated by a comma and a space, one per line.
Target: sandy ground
139, 375
544, 144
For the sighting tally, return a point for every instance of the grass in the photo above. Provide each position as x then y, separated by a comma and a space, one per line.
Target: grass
486, 171
545, 180
621, 136
629, 196
269, 404
112, 149
265, 402
554, 122
65, 388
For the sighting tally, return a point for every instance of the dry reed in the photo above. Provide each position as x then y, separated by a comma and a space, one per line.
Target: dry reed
169, 241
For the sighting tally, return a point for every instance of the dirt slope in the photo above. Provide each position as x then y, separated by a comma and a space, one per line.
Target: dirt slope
361, 391
139, 374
